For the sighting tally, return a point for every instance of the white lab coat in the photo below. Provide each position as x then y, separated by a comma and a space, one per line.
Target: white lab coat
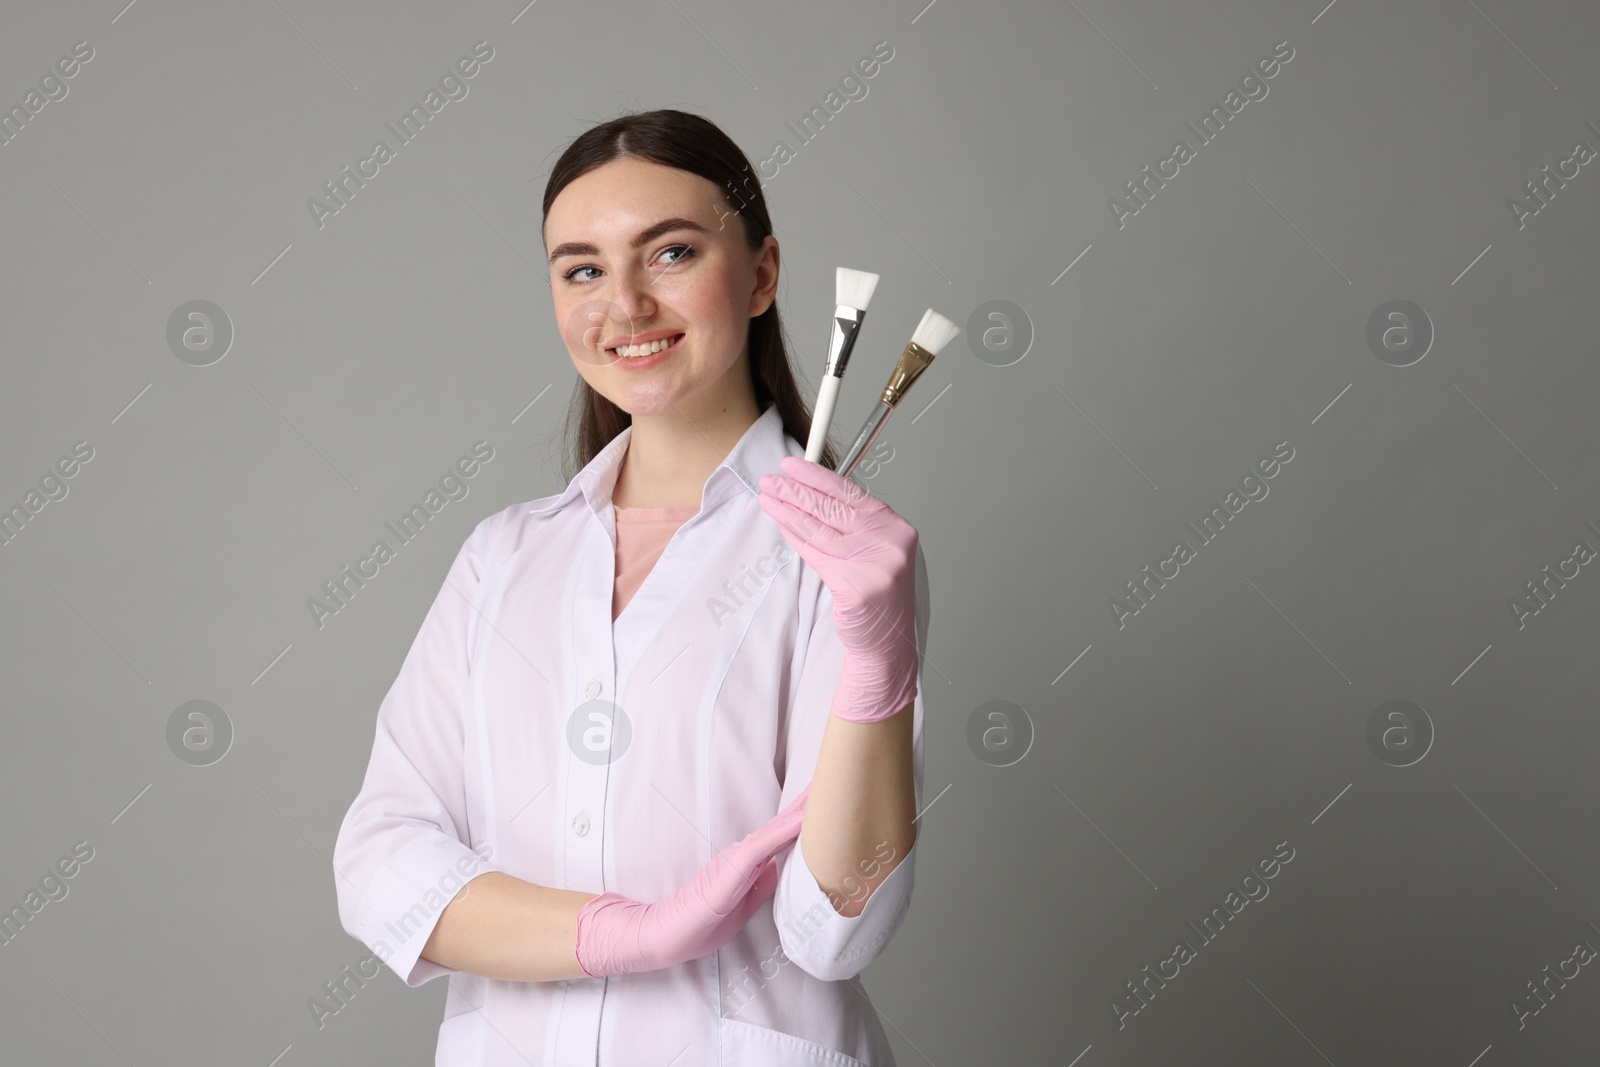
491, 753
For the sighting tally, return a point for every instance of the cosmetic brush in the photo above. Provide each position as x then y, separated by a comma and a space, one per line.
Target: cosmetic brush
852, 291
933, 333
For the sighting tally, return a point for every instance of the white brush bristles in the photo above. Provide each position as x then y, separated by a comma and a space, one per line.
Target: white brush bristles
853, 288
934, 331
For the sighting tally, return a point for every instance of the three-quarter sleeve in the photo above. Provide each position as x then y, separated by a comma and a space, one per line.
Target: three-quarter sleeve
826, 944
403, 850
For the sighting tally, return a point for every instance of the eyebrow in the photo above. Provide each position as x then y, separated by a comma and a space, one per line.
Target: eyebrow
649, 233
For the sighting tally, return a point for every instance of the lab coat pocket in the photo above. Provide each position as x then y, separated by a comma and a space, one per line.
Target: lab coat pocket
461, 1040
746, 1045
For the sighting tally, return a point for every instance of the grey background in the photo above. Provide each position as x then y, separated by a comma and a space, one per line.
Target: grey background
1230, 314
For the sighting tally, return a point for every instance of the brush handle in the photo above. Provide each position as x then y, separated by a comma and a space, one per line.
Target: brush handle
869, 433
827, 397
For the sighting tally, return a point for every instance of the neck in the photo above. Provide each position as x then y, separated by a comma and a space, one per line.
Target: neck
670, 456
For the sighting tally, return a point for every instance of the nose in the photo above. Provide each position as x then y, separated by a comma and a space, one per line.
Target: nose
632, 292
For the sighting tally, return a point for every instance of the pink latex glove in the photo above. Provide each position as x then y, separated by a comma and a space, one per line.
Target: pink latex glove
617, 935
866, 554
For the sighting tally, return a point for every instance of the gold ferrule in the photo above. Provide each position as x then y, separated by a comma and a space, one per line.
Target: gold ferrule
913, 361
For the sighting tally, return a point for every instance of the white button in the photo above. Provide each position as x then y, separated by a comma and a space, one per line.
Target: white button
580, 825
593, 690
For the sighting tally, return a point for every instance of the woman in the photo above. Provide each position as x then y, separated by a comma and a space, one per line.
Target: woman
632, 696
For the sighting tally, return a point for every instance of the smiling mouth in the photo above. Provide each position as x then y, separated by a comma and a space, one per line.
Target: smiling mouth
646, 349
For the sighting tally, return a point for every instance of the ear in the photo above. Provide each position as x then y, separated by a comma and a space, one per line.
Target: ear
766, 268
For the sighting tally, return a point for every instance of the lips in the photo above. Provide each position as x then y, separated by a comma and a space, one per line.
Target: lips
673, 338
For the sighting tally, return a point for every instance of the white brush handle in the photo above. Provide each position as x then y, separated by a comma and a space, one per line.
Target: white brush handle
827, 396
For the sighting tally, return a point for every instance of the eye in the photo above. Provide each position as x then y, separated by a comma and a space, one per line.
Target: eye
686, 252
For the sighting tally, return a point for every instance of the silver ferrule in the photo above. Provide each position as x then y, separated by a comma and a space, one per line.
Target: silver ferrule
869, 432
842, 338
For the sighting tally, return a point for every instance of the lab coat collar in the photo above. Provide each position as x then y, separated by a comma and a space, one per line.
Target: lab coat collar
758, 452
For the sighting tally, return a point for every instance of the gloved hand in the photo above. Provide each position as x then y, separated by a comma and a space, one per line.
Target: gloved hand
866, 554
617, 935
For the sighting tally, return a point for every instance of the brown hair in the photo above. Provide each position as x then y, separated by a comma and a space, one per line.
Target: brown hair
695, 144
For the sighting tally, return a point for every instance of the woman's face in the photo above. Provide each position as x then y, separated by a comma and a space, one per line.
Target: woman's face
617, 274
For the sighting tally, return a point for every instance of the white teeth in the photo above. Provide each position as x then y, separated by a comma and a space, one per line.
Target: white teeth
648, 348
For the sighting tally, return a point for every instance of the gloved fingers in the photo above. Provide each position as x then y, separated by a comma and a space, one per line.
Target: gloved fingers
808, 535
795, 808
782, 828
733, 870
764, 889
824, 508
731, 873
722, 929
821, 478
